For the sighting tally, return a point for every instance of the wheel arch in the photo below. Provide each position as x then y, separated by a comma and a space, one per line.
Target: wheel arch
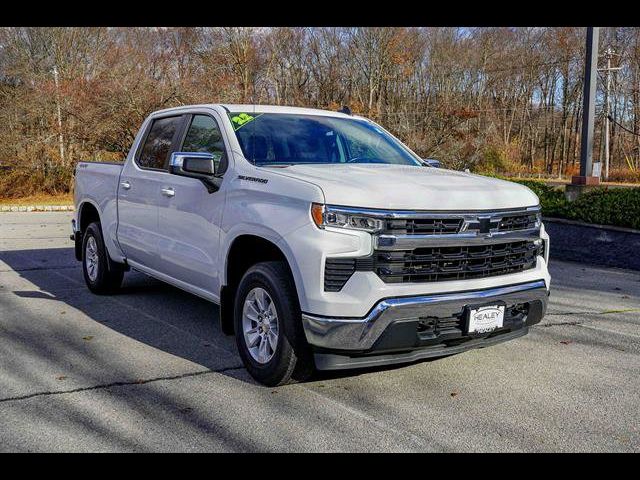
244, 251
88, 213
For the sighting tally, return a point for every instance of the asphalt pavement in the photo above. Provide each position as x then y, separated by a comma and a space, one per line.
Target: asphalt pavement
148, 369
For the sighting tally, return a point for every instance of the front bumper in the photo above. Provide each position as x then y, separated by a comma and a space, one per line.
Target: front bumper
407, 328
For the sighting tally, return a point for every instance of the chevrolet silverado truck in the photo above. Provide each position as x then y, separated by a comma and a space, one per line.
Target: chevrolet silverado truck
326, 241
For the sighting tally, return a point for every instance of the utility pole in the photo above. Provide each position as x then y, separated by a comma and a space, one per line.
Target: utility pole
60, 137
588, 110
608, 54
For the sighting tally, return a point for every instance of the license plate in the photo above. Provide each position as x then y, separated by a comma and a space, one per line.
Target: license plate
486, 319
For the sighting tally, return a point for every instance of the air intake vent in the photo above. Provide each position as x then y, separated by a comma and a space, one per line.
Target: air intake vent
336, 273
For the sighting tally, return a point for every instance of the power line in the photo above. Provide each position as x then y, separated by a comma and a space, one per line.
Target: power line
622, 126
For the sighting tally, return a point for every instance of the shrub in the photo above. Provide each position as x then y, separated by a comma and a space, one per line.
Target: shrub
606, 206
615, 206
22, 182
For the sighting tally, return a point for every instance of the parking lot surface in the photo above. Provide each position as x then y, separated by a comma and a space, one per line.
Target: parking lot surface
148, 369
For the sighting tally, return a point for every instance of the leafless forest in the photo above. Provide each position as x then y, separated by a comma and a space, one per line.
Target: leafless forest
490, 99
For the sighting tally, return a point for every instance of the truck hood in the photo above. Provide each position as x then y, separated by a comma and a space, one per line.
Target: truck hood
411, 188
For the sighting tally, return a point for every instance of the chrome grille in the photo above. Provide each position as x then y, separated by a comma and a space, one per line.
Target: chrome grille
424, 226
415, 246
419, 223
432, 264
511, 223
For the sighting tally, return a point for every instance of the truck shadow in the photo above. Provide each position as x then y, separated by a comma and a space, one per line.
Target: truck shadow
146, 310
56, 337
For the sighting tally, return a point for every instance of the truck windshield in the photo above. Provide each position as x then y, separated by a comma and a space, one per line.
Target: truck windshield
291, 139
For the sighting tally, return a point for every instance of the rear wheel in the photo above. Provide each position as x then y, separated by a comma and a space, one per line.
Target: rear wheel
268, 328
101, 274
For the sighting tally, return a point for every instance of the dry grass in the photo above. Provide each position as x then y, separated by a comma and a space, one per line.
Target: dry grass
41, 199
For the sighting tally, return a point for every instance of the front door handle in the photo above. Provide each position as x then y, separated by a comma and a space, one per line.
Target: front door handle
125, 185
168, 192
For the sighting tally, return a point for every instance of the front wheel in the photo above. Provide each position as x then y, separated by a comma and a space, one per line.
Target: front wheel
100, 276
268, 328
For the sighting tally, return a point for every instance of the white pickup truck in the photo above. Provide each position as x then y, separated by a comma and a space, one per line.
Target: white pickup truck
327, 242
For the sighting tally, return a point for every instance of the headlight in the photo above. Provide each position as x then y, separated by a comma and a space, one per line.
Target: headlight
324, 216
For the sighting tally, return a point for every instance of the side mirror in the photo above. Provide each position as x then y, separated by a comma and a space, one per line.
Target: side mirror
200, 165
431, 162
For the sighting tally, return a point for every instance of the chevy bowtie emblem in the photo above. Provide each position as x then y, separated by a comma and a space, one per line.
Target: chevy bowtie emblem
485, 224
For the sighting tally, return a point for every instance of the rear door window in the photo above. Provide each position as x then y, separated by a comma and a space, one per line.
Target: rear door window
155, 151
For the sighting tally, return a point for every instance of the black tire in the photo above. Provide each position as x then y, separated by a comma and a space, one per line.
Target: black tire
107, 276
292, 360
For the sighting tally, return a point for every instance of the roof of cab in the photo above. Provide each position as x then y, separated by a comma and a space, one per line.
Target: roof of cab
281, 109
249, 108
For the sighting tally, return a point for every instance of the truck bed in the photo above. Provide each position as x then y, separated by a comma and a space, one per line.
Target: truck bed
97, 182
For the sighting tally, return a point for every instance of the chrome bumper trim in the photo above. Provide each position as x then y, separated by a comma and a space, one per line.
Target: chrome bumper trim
344, 333
409, 242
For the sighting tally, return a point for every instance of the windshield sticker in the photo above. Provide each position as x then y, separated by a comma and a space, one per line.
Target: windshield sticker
242, 119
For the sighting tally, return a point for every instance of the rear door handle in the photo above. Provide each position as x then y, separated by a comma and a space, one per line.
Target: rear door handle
125, 185
168, 192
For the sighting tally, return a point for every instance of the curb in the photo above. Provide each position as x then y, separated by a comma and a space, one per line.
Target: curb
37, 208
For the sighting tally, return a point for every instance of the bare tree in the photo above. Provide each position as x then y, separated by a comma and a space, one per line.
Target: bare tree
492, 99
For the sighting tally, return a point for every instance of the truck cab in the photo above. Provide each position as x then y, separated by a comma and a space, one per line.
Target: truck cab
327, 242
